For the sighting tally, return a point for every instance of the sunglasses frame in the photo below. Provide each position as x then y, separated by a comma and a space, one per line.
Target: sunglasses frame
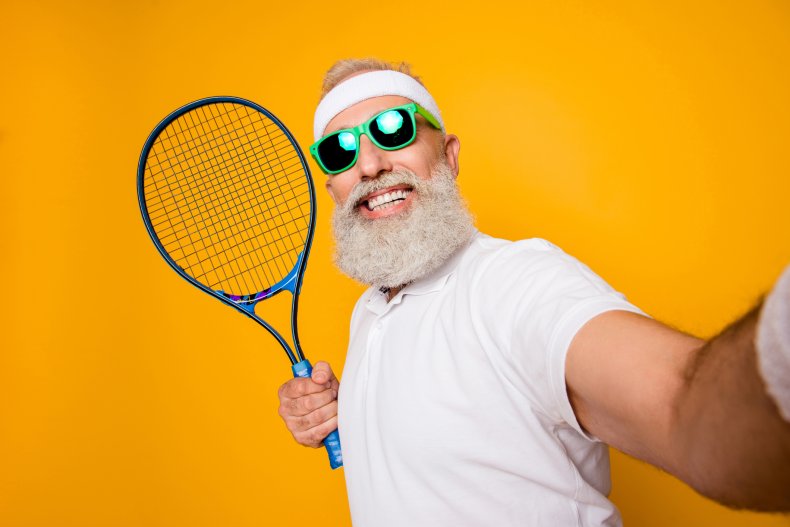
364, 128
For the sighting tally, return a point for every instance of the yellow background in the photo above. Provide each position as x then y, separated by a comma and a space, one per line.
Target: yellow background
649, 139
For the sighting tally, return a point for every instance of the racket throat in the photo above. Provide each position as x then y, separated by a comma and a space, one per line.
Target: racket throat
288, 283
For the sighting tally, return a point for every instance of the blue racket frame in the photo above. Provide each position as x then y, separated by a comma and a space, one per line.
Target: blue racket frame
245, 304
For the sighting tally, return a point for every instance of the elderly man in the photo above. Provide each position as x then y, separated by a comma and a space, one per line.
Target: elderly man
484, 378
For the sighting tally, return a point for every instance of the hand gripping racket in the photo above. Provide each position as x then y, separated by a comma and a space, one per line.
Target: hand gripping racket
228, 200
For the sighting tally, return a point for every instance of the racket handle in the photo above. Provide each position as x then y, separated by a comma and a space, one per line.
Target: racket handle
332, 441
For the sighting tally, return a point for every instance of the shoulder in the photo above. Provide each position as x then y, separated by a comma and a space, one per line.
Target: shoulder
529, 279
531, 259
487, 249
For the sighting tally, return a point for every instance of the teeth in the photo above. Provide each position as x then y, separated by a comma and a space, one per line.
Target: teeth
387, 200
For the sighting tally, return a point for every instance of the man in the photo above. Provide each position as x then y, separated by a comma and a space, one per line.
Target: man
484, 378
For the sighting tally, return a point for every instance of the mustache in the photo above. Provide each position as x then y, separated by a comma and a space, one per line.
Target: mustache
390, 179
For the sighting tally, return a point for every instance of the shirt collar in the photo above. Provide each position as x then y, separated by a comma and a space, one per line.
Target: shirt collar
434, 281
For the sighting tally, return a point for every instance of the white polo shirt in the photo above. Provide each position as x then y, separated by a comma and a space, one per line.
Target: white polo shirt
453, 407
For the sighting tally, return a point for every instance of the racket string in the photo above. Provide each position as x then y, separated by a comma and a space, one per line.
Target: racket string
235, 197
198, 149
288, 210
174, 233
266, 182
228, 210
244, 241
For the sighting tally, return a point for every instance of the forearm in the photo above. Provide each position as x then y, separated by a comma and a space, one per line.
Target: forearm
735, 445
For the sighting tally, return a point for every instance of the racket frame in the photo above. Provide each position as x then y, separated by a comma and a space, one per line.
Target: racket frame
246, 303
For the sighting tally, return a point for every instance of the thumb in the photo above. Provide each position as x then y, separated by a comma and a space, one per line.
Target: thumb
322, 373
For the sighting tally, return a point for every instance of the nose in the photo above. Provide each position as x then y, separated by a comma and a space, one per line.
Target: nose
372, 161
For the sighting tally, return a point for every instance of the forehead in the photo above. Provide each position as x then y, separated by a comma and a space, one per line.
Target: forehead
362, 111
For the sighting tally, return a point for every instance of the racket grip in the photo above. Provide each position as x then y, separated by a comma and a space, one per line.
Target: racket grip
332, 441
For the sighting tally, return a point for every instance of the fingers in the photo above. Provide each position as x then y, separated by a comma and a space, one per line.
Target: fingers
303, 423
311, 428
300, 406
300, 387
315, 436
322, 373
309, 406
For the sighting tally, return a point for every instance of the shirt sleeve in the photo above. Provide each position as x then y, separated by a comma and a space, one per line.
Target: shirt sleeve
535, 299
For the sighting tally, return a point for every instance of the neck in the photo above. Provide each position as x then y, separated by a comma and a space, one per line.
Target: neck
391, 291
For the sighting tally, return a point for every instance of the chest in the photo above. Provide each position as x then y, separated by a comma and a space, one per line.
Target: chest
422, 372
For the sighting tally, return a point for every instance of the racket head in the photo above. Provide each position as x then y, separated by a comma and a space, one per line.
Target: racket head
228, 200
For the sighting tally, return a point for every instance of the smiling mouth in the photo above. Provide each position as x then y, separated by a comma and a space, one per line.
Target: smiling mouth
386, 200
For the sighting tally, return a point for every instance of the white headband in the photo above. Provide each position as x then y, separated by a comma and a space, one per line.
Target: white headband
369, 85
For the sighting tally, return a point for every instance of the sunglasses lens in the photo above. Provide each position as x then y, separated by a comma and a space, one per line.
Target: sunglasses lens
392, 128
337, 151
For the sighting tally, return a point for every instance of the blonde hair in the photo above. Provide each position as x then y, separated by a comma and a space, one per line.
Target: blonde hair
345, 68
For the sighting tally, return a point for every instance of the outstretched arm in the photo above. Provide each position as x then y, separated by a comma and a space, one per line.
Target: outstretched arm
696, 409
735, 443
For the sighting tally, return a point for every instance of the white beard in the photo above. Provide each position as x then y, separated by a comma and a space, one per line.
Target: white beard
394, 251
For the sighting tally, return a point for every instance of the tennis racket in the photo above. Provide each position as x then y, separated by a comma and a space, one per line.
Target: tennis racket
228, 200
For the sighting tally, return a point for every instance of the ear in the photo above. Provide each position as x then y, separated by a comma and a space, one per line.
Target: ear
452, 145
328, 186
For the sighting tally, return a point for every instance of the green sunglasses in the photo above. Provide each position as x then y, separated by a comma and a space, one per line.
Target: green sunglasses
391, 129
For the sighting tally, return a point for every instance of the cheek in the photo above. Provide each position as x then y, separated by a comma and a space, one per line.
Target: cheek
421, 156
339, 190
419, 161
